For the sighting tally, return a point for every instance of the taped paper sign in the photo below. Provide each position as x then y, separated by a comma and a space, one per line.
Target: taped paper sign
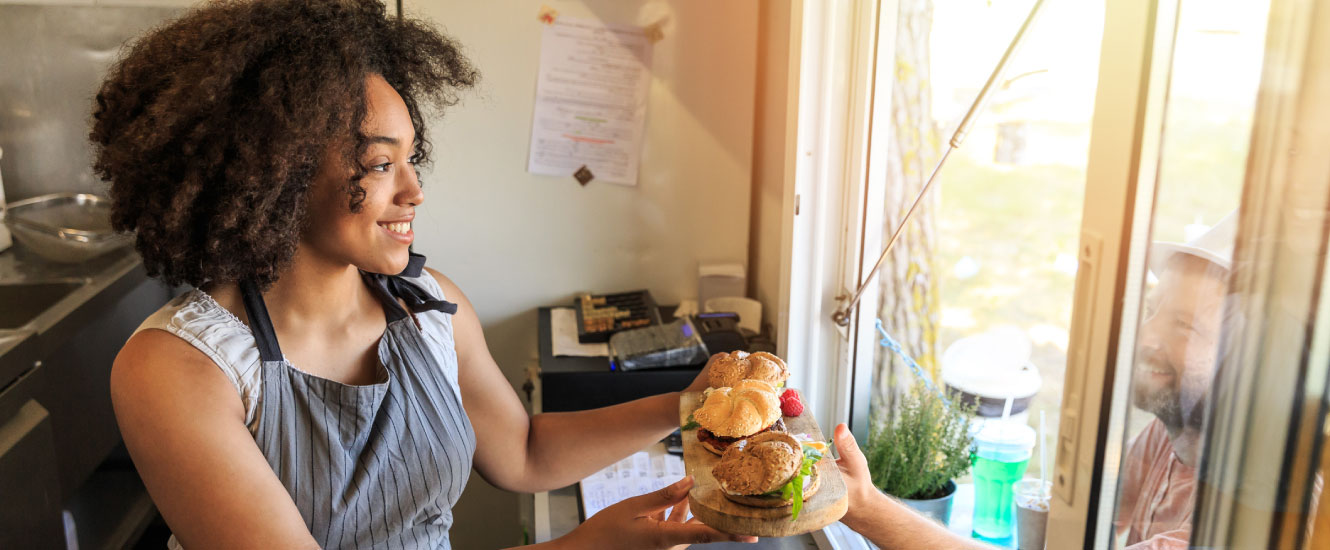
591, 99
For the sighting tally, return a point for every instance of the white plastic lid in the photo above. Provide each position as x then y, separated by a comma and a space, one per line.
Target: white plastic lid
1004, 441
994, 364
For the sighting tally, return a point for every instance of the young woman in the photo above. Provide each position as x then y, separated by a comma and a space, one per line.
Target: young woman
318, 388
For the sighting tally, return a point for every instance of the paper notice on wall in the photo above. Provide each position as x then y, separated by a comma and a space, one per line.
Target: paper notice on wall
591, 100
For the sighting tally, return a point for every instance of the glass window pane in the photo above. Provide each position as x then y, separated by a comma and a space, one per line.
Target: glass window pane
1216, 68
979, 290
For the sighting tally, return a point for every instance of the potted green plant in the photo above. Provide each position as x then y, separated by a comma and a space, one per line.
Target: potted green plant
917, 450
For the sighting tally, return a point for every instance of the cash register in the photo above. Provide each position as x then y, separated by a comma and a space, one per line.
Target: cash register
661, 354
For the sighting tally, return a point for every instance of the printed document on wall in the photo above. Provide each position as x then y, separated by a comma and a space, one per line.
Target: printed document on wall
591, 100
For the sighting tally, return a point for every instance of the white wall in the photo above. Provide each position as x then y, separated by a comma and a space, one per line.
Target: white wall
514, 241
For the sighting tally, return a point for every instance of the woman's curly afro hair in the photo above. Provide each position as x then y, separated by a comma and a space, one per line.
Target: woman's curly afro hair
211, 128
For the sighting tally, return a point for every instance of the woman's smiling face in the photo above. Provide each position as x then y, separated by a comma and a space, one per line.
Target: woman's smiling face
375, 239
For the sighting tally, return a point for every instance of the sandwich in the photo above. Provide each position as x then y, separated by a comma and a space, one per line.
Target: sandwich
726, 370
770, 470
729, 414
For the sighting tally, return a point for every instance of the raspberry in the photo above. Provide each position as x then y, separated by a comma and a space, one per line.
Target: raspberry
789, 393
790, 403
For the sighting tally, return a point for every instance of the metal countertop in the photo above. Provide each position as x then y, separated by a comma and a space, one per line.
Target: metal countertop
119, 271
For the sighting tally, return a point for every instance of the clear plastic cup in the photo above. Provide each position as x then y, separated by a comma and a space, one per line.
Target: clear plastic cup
1002, 451
1031, 513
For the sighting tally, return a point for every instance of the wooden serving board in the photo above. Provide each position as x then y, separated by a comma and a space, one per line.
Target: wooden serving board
709, 505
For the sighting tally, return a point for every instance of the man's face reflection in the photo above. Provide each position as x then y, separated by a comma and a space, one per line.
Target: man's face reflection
1178, 342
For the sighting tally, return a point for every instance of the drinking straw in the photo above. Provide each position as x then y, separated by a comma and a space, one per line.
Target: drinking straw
1043, 465
1006, 414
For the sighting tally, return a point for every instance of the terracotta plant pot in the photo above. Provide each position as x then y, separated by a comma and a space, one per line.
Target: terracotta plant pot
938, 509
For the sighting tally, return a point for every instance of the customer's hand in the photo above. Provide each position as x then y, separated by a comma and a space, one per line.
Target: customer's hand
640, 523
888, 523
854, 470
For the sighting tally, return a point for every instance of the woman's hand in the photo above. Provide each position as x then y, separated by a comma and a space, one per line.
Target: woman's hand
641, 523
703, 380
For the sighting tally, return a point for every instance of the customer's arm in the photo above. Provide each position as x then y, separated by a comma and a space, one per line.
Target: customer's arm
888, 523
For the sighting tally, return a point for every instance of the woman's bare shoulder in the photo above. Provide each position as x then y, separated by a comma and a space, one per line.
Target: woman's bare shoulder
450, 289
183, 424
155, 369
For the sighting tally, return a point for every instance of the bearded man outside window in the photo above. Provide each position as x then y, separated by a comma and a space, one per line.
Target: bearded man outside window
1177, 349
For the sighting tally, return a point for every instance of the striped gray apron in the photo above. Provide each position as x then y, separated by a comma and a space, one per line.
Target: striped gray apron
376, 466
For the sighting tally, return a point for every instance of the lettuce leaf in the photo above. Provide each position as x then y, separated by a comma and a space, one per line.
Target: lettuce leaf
794, 488
691, 424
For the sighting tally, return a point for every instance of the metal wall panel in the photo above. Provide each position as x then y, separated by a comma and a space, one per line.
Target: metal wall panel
52, 61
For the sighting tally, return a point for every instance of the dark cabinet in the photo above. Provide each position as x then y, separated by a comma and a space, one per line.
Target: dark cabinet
60, 472
29, 481
78, 381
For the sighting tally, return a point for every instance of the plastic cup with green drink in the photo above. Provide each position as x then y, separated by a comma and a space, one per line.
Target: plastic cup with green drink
1001, 453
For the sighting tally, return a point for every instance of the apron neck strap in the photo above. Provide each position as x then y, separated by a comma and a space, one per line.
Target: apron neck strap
387, 289
381, 286
259, 322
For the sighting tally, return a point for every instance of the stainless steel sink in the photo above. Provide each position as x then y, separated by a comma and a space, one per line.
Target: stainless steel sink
20, 303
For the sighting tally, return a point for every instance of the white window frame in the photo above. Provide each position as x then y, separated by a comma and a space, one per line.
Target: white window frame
1126, 131
837, 47
834, 70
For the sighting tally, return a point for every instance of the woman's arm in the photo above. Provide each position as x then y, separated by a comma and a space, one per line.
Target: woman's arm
518, 452
183, 424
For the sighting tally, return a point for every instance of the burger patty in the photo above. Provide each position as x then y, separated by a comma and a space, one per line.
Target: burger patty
721, 443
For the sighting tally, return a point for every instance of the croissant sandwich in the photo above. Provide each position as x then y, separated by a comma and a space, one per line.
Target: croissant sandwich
726, 370
730, 414
769, 470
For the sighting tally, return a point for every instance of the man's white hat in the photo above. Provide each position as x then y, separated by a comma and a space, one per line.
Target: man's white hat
1215, 246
